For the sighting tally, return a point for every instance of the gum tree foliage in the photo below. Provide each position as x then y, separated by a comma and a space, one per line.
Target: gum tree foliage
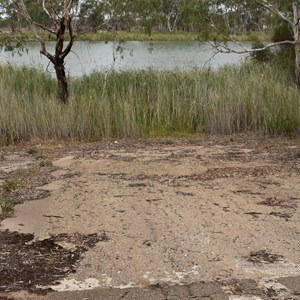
287, 13
92, 14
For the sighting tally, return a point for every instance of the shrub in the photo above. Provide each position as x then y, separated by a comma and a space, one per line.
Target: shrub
282, 32
261, 56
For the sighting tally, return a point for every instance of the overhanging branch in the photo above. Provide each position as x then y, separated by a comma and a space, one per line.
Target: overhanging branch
223, 48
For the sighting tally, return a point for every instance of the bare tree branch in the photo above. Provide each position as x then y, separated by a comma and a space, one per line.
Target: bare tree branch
296, 20
270, 7
43, 27
51, 14
45, 52
71, 42
22, 10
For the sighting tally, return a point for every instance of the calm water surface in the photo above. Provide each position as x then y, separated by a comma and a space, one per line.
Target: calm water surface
101, 56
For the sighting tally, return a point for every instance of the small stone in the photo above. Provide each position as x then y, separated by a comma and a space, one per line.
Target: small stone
297, 292
147, 243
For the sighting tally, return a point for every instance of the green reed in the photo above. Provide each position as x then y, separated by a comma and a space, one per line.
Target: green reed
250, 97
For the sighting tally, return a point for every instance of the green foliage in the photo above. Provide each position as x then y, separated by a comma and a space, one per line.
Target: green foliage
32, 151
261, 56
39, 156
92, 14
282, 32
12, 42
164, 15
283, 56
45, 163
10, 184
284, 59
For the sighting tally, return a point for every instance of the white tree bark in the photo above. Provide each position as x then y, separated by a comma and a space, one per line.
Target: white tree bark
296, 28
294, 24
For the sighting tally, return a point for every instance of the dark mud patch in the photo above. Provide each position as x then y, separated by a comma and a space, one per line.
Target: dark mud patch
210, 174
274, 201
232, 172
285, 216
28, 265
288, 207
263, 257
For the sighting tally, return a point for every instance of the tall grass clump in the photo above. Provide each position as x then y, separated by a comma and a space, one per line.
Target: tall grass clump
251, 97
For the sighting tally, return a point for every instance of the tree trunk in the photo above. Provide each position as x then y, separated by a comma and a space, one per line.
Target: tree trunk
60, 21
297, 42
296, 12
61, 81
297, 62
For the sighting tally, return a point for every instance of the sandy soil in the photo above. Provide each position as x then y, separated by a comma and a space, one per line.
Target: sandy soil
176, 211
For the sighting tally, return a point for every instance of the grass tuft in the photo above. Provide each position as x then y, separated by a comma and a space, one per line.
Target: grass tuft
9, 185
6, 207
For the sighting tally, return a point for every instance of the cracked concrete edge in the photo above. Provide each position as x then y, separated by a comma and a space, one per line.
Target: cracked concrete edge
287, 287
200, 290
283, 288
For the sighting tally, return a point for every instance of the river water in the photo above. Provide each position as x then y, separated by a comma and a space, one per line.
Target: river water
87, 57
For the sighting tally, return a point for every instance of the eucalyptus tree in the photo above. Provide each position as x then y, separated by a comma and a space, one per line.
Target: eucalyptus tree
285, 11
57, 18
171, 11
289, 12
92, 14
8, 18
242, 17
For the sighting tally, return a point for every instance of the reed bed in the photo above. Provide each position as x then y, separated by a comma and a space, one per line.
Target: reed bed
251, 97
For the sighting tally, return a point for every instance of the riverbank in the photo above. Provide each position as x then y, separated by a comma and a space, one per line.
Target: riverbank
154, 36
249, 98
169, 36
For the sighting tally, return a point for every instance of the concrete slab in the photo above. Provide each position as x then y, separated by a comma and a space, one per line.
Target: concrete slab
292, 283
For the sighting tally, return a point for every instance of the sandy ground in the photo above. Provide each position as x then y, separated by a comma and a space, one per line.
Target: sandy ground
175, 211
